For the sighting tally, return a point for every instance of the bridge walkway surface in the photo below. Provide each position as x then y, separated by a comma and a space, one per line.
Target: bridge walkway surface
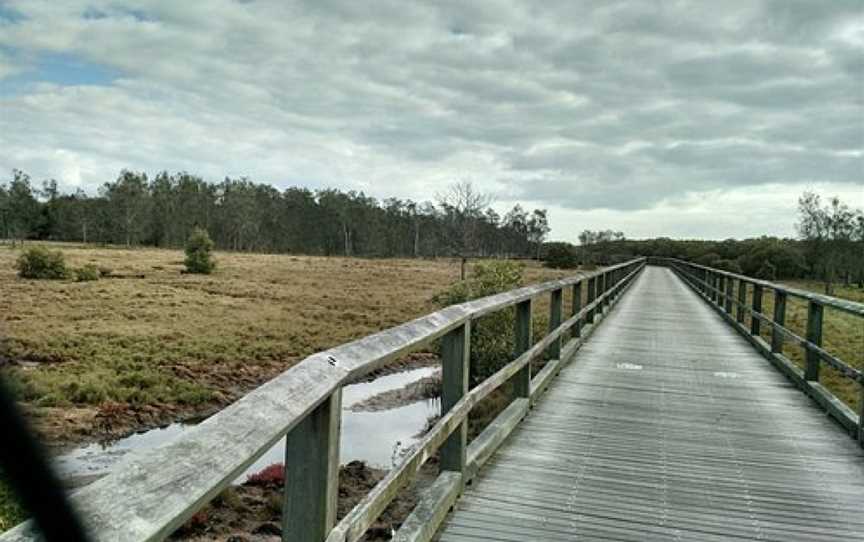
668, 425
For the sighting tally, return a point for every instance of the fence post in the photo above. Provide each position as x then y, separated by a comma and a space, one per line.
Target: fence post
714, 281
814, 336
721, 288
577, 306
742, 300
312, 473
555, 300
861, 417
755, 323
599, 289
607, 287
455, 360
730, 290
522, 379
592, 294
780, 320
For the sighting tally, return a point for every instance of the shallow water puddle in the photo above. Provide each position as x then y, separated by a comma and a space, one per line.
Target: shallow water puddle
373, 437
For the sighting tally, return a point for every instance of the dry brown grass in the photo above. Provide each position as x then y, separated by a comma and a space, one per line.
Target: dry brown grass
189, 340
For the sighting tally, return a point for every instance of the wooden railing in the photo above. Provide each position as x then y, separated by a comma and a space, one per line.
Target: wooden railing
153, 493
725, 291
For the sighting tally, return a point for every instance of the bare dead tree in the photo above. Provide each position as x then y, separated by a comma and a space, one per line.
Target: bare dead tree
463, 206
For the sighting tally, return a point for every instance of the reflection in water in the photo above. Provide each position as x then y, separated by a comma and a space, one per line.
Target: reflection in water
373, 437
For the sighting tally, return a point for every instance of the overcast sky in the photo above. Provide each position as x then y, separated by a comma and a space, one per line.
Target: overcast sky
684, 119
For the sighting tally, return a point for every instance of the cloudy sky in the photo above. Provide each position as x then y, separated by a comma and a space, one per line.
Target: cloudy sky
686, 119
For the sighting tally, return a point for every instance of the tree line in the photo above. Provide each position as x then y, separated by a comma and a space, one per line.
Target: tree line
243, 215
829, 247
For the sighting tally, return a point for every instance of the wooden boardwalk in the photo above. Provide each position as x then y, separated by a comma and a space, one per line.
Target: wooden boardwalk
668, 426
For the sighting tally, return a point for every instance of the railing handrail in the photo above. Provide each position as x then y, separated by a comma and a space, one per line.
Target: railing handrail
845, 305
152, 493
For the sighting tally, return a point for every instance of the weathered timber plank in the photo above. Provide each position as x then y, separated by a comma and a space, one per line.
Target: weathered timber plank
455, 358
482, 447
312, 473
431, 509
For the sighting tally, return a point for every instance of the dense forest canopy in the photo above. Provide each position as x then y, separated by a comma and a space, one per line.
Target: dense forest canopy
243, 215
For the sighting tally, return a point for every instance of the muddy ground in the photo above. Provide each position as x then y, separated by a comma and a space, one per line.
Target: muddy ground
253, 512
66, 427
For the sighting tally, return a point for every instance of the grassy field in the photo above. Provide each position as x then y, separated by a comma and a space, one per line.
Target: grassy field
159, 344
90, 360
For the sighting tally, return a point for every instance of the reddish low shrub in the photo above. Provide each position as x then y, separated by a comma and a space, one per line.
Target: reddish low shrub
270, 476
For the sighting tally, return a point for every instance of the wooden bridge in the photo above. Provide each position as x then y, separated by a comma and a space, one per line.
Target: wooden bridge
670, 420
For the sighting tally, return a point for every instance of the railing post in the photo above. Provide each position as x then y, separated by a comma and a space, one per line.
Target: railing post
721, 287
779, 320
577, 306
861, 417
455, 360
312, 473
742, 300
592, 295
522, 379
730, 290
755, 323
713, 286
555, 300
814, 336
598, 291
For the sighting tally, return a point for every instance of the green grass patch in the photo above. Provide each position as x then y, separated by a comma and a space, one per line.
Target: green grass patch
11, 512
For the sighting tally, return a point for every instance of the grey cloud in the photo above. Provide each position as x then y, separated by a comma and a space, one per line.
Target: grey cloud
614, 105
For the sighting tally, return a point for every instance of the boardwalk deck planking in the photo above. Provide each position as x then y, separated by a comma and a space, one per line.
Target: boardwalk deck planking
668, 425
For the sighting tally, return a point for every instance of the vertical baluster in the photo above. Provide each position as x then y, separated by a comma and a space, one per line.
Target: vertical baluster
755, 323
577, 306
861, 417
604, 287
555, 301
721, 286
780, 320
814, 336
598, 292
312, 473
522, 379
455, 359
742, 300
730, 290
713, 287
592, 294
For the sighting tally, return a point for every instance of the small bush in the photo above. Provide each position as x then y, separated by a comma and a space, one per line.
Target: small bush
87, 273
199, 248
270, 476
561, 256
728, 265
709, 260
492, 339
41, 263
105, 271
